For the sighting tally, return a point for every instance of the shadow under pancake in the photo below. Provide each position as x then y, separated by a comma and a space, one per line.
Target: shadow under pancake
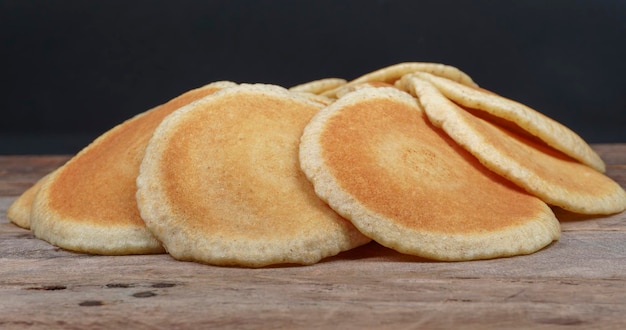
567, 216
375, 251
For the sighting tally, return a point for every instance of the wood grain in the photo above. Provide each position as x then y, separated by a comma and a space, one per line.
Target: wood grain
577, 282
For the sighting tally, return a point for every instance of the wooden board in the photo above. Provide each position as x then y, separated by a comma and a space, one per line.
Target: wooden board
578, 282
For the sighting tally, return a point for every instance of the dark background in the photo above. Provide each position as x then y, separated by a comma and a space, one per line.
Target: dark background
73, 69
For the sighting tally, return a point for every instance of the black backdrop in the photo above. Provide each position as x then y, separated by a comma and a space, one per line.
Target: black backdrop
73, 69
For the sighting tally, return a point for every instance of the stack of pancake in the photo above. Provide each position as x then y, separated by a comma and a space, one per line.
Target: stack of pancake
414, 156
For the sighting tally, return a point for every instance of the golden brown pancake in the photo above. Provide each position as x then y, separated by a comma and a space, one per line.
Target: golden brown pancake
535, 123
318, 86
88, 205
392, 73
539, 169
375, 158
19, 211
220, 183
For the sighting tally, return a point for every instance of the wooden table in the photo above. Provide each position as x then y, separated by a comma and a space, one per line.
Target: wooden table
578, 282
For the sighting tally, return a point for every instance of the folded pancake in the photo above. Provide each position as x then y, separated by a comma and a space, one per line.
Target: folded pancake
88, 204
220, 183
539, 169
375, 158
392, 73
19, 211
535, 123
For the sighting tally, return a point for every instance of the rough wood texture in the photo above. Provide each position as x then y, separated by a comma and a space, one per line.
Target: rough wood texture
578, 282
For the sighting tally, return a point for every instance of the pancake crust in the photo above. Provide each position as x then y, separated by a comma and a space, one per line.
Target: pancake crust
539, 169
374, 157
19, 211
88, 205
220, 183
392, 73
535, 123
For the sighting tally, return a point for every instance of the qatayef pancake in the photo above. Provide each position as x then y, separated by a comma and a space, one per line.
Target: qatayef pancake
537, 124
392, 73
19, 211
539, 169
318, 86
88, 204
220, 183
375, 158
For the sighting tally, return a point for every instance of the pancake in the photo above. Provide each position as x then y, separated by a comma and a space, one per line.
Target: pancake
318, 86
535, 123
375, 158
541, 170
220, 183
19, 211
352, 87
392, 73
88, 205
321, 99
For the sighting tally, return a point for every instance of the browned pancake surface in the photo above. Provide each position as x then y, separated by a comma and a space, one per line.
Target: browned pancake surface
393, 168
536, 167
244, 169
99, 184
376, 160
91, 199
221, 184
531, 121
